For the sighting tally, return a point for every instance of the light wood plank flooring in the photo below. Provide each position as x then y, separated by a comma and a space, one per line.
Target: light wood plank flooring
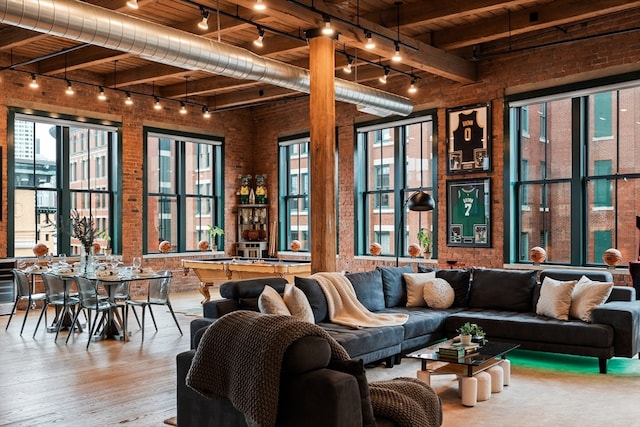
112, 383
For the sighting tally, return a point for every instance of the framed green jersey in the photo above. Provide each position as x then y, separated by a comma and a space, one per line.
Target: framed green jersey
468, 213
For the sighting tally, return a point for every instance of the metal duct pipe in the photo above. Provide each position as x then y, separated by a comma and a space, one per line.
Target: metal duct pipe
103, 27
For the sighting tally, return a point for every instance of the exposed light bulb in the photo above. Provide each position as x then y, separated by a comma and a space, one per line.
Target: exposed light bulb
156, 104
34, 82
327, 30
183, 108
205, 112
204, 24
370, 44
259, 5
128, 100
69, 90
101, 95
347, 68
258, 41
413, 88
383, 79
396, 56
133, 4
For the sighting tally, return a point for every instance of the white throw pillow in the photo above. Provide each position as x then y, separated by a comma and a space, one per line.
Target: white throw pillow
438, 293
415, 287
270, 302
587, 295
555, 298
297, 303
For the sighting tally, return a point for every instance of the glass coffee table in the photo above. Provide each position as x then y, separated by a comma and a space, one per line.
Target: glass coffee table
479, 374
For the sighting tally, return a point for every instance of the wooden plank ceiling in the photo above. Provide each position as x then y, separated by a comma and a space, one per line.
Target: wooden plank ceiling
443, 38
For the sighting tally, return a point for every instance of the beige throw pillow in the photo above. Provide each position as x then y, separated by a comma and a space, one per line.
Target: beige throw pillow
415, 287
438, 293
297, 303
587, 295
555, 298
270, 302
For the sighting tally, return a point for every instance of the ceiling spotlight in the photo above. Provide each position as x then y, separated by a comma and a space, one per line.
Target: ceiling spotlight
156, 103
205, 112
327, 30
396, 56
34, 82
69, 90
133, 4
101, 95
204, 24
259, 5
347, 68
413, 88
370, 44
128, 100
258, 41
183, 108
383, 79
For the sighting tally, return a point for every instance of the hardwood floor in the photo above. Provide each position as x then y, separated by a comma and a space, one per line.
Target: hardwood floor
112, 383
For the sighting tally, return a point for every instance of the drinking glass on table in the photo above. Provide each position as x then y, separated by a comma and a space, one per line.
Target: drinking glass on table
114, 261
22, 264
62, 259
136, 263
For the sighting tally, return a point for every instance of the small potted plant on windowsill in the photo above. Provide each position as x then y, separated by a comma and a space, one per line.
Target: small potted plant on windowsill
105, 236
425, 241
214, 232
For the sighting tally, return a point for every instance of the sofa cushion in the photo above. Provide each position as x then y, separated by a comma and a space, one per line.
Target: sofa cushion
587, 295
421, 268
270, 302
395, 293
317, 300
368, 287
250, 288
306, 354
438, 293
502, 289
555, 298
363, 341
415, 287
459, 279
297, 303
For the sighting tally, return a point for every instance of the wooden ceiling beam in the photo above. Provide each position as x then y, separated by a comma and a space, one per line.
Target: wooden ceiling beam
558, 13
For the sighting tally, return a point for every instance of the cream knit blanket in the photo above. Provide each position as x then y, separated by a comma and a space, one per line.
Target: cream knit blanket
344, 307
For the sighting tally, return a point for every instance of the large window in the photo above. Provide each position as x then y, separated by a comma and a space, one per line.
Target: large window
58, 166
294, 192
393, 160
587, 181
183, 190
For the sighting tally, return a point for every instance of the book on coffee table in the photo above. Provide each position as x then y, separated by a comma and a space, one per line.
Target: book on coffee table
458, 349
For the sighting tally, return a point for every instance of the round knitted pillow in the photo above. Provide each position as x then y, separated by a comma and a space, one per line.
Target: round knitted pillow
438, 293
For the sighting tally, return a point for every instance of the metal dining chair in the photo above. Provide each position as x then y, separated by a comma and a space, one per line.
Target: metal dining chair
90, 300
58, 296
158, 294
24, 293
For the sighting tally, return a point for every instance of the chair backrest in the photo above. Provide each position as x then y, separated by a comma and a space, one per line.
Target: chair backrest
54, 287
23, 285
87, 292
159, 288
122, 291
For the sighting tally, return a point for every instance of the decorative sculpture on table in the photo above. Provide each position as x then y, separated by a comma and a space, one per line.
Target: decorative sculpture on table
261, 189
244, 188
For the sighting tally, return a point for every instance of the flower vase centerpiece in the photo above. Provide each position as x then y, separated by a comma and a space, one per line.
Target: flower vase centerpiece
83, 229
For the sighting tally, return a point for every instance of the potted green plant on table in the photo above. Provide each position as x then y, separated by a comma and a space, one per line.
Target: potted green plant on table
214, 233
425, 241
471, 332
105, 236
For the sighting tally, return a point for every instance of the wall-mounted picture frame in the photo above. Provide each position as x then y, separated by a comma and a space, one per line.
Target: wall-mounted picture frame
469, 139
469, 212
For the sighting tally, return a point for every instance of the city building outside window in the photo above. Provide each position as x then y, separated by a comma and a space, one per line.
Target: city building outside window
184, 190
294, 192
393, 161
45, 186
587, 178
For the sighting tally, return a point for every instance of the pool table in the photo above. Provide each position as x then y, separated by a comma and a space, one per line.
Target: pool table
217, 269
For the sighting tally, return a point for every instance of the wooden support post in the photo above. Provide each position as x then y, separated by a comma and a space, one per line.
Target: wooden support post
322, 114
